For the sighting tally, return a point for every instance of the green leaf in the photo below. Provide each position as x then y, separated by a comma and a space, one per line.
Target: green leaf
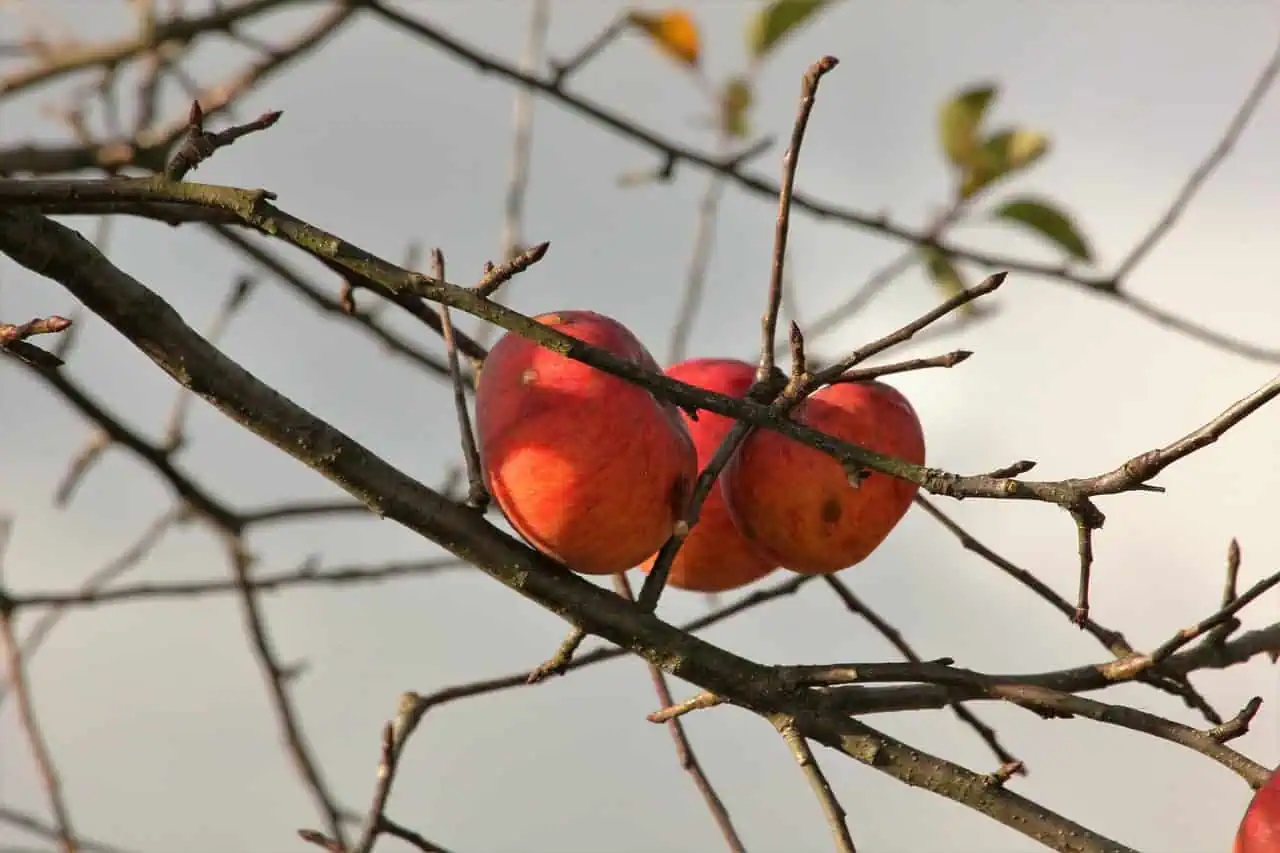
958, 124
945, 274
1016, 149
1049, 222
1000, 155
777, 19
735, 104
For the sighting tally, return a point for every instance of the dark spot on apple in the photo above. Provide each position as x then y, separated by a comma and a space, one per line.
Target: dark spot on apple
678, 496
831, 511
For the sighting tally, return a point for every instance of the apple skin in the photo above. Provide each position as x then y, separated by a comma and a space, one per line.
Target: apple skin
715, 557
589, 469
796, 505
1259, 830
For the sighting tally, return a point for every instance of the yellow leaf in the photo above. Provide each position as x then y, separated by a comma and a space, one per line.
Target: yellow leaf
673, 31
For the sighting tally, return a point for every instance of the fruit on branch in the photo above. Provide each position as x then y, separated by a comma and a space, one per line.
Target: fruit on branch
590, 469
715, 557
799, 506
1259, 831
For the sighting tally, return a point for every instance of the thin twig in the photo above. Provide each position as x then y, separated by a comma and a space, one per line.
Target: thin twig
950, 359
1229, 592
704, 238
563, 69
674, 710
837, 819
125, 562
1244, 113
1084, 547
558, 663
40, 828
1046, 701
786, 190
81, 464
1186, 635
766, 377
1111, 640
201, 144
295, 742
684, 749
905, 333
477, 494
895, 638
307, 576
40, 754
499, 275
316, 296
513, 207
13, 340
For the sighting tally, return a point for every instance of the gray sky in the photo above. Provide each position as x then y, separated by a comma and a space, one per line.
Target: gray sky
156, 712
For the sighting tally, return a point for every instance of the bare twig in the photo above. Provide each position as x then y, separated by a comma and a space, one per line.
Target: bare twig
684, 749
125, 562
148, 149
43, 759
563, 69
1042, 699
499, 275
1186, 635
513, 207
477, 495
1219, 634
905, 333
836, 817
201, 144
178, 29
1113, 641
395, 735
1084, 546
287, 716
704, 238
81, 464
950, 359
558, 663
674, 710
895, 638
766, 378
316, 296
41, 829
786, 190
655, 581
13, 340
1244, 113
306, 576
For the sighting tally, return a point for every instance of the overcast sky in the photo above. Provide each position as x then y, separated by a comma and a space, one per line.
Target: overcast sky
156, 712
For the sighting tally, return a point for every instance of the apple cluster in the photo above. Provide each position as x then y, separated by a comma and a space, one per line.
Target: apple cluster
595, 471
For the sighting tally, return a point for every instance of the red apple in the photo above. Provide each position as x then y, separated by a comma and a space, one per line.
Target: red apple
796, 504
715, 557
1259, 831
591, 470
